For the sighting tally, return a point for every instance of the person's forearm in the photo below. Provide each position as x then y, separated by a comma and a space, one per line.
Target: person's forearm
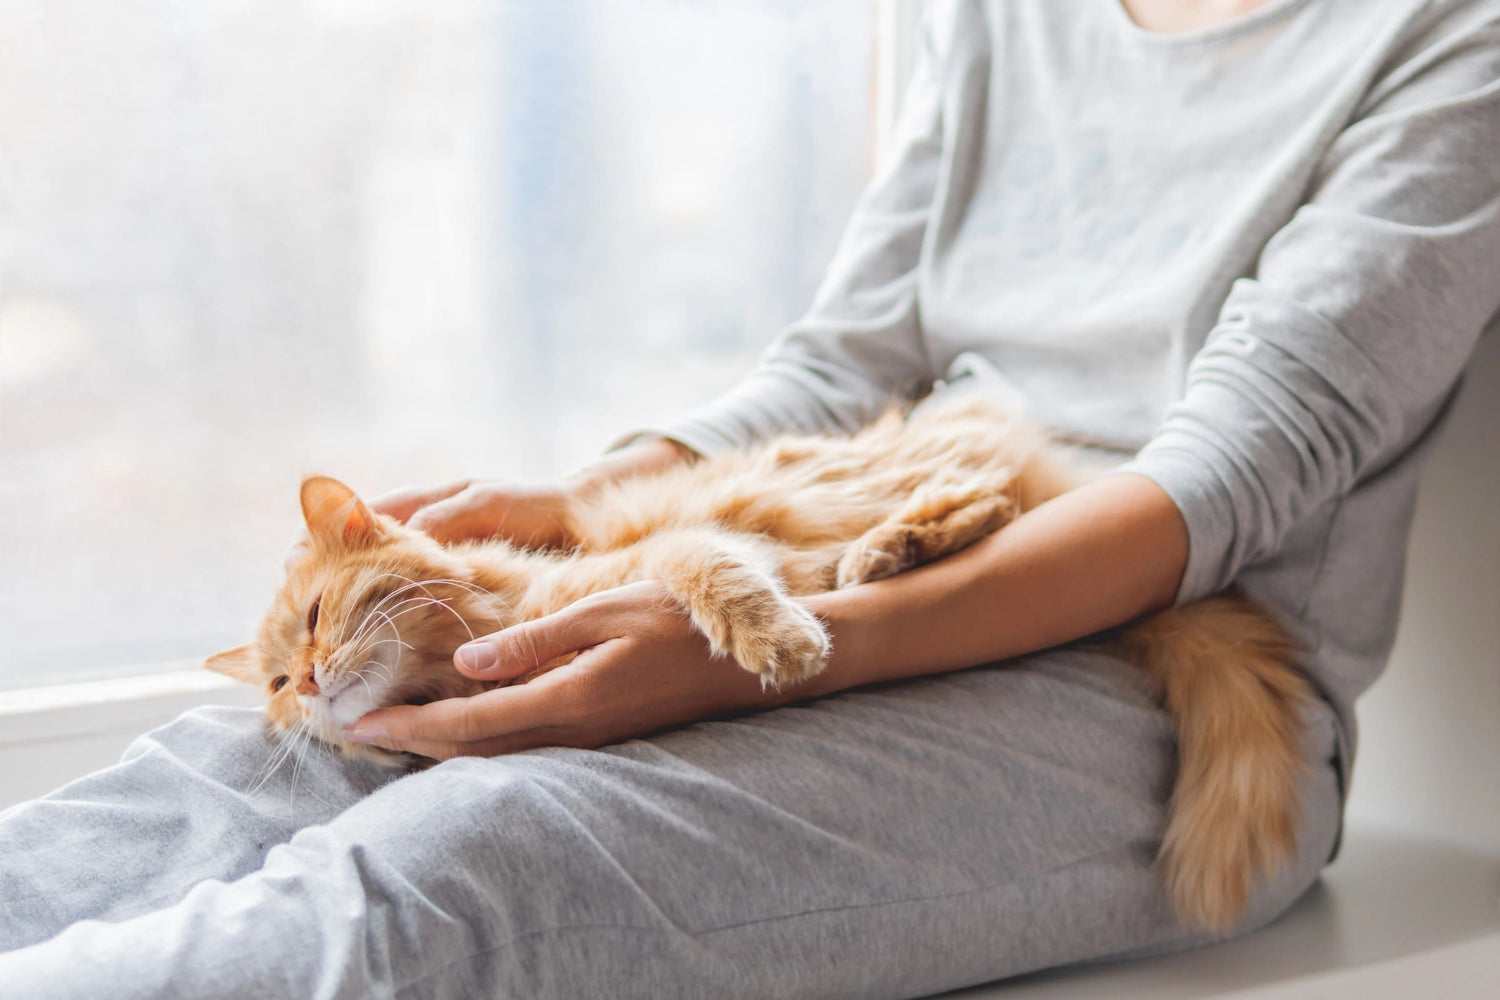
1088, 560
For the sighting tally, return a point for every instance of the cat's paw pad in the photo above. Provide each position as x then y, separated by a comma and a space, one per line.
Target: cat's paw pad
873, 559
790, 649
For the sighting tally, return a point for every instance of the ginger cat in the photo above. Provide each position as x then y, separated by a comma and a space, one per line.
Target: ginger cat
372, 615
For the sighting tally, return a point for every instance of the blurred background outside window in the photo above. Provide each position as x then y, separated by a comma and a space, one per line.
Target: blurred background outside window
395, 242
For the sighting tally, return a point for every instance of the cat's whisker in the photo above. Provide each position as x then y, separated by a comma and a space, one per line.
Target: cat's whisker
375, 618
409, 584
305, 743
274, 762
400, 648
359, 675
395, 640
301, 736
389, 615
313, 745
446, 581
288, 744
370, 585
394, 605
475, 589
366, 624
449, 608
443, 581
416, 604
401, 645
385, 671
264, 772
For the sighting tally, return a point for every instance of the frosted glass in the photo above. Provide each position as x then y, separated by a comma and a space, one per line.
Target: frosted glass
244, 240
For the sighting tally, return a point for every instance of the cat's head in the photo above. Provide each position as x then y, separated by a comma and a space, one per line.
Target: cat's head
369, 617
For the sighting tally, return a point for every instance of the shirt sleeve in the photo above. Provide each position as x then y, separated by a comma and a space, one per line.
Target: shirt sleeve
1340, 351
859, 349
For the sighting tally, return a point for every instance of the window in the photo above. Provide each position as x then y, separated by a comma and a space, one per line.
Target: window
392, 242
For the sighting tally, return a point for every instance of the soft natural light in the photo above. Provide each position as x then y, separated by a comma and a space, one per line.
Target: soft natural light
393, 242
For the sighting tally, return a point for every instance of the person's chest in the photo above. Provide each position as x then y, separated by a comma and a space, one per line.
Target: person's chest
1105, 185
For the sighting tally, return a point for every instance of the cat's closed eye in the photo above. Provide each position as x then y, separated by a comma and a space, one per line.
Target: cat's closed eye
278, 683
312, 616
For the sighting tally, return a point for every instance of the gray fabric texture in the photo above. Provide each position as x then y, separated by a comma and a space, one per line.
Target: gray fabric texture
890, 842
1251, 259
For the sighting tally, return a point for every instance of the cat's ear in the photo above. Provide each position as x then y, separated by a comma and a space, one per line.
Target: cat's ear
335, 516
237, 663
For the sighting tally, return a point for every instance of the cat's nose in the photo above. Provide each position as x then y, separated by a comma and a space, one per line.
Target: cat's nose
306, 684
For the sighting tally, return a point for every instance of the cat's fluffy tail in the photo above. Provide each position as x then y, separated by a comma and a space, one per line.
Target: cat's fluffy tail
1226, 673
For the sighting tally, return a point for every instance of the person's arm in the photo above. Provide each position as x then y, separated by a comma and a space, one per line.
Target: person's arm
527, 514
531, 515
1340, 351
1092, 558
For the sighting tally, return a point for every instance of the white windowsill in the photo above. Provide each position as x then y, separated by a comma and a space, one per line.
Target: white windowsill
53, 734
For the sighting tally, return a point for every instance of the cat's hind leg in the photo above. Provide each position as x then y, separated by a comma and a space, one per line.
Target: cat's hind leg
728, 584
938, 520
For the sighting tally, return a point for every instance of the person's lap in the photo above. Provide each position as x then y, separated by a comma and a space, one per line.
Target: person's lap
894, 841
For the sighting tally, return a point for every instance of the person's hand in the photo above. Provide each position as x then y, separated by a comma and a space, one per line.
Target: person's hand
641, 667
529, 515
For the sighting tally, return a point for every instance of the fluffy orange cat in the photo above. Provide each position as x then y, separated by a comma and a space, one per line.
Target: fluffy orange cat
371, 617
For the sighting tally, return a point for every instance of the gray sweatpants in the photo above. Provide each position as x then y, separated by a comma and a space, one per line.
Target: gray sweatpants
890, 842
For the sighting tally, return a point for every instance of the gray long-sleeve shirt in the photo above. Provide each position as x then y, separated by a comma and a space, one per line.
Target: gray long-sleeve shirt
1257, 256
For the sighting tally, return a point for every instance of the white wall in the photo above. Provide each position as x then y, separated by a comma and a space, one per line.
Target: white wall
1429, 754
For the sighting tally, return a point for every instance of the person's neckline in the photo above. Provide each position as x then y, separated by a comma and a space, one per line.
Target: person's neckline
1213, 32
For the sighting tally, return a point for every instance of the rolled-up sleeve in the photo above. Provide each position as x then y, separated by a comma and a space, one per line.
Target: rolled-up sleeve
1335, 356
859, 348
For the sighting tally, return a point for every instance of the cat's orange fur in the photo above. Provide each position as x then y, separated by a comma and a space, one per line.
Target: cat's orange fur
371, 617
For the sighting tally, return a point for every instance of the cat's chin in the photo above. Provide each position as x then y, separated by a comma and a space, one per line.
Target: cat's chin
333, 738
331, 709
325, 718
384, 758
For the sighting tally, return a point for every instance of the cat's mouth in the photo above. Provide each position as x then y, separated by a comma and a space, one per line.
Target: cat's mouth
341, 702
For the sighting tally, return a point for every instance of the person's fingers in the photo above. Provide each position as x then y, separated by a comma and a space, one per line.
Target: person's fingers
448, 750
551, 709
531, 739
470, 513
514, 651
403, 503
459, 726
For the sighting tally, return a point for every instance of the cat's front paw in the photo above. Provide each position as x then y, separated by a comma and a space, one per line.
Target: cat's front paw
791, 647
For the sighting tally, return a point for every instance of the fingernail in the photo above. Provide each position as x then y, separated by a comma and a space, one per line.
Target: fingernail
478, 656
366, 734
